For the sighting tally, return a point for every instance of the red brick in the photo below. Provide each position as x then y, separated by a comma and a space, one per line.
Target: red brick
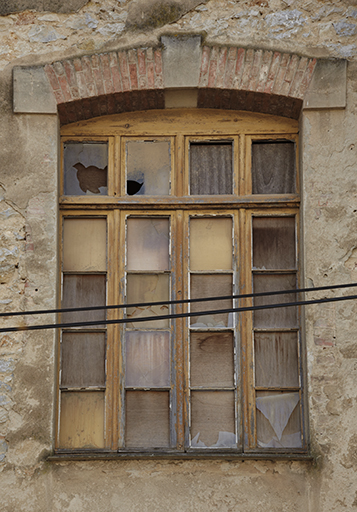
88, 75
98, 79
273, 71
107, 76
150, 74
77, 65
203, 80
70, 73
255, 70
298, 76
212, 73
248, 63
51, 75
142, 69
264, 71
306, 79
133, 76
114, 68
124, 70
285, 59
231, 62
82, 86
65, 88
95, 61
239, 68
58, 68
159, 81
289, 75
221, 67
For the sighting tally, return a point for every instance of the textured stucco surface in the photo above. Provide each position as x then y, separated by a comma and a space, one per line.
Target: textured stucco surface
28, 270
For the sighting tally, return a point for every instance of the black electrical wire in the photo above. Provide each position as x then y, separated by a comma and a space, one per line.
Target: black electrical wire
177, 315
172, 302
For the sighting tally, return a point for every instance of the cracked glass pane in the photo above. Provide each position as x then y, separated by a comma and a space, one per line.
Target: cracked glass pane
212, 419
148, 288
211, 243
148, 168
85, 168
278, 420
212, 359
148, 244
211, 285
147, 359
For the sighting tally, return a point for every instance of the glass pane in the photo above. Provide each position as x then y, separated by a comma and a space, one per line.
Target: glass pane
83, 359
211, 169
84, 244
276, 359
83, 290
205, 285
85, 168
211, 243
147, 419
278, 420
148, 244
148, 288
147, 359
148, 168
212, 419
212, 359
273, 167
275, 317
274, 242
82, 420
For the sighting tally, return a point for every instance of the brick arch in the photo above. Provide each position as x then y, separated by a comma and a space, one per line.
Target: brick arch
229, 78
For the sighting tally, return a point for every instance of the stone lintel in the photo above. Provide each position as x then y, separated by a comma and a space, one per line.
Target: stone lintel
181, 61
328, 85
32, 91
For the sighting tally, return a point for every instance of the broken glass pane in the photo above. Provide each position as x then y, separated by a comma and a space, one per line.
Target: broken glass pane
274, 242
82, 420
214, 285
211, 169
83, 359
275, 317
147, 419
276, 359
278, 420
85, 168
148, 288
147, 359
83, 290
211, 243
148, 244
273, 167
212, 419
212, 359
148, 167
84, 244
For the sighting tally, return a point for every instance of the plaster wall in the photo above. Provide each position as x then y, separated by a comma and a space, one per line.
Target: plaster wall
28, 268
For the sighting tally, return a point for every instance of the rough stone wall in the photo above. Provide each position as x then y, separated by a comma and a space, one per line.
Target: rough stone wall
28, 266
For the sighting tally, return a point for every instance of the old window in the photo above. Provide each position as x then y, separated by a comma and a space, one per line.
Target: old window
163, 207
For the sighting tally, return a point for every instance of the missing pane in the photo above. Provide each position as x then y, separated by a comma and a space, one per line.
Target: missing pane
211, 168
85, 168
273, 167
148, 168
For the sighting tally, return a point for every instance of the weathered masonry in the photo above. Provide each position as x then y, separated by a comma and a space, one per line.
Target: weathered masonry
155, 154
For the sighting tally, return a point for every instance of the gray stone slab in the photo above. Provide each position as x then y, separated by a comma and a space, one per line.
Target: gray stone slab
328, 85
62, 6
181, 60
32, 92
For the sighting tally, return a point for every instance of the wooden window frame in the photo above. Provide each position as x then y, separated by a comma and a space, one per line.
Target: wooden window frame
182, 127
